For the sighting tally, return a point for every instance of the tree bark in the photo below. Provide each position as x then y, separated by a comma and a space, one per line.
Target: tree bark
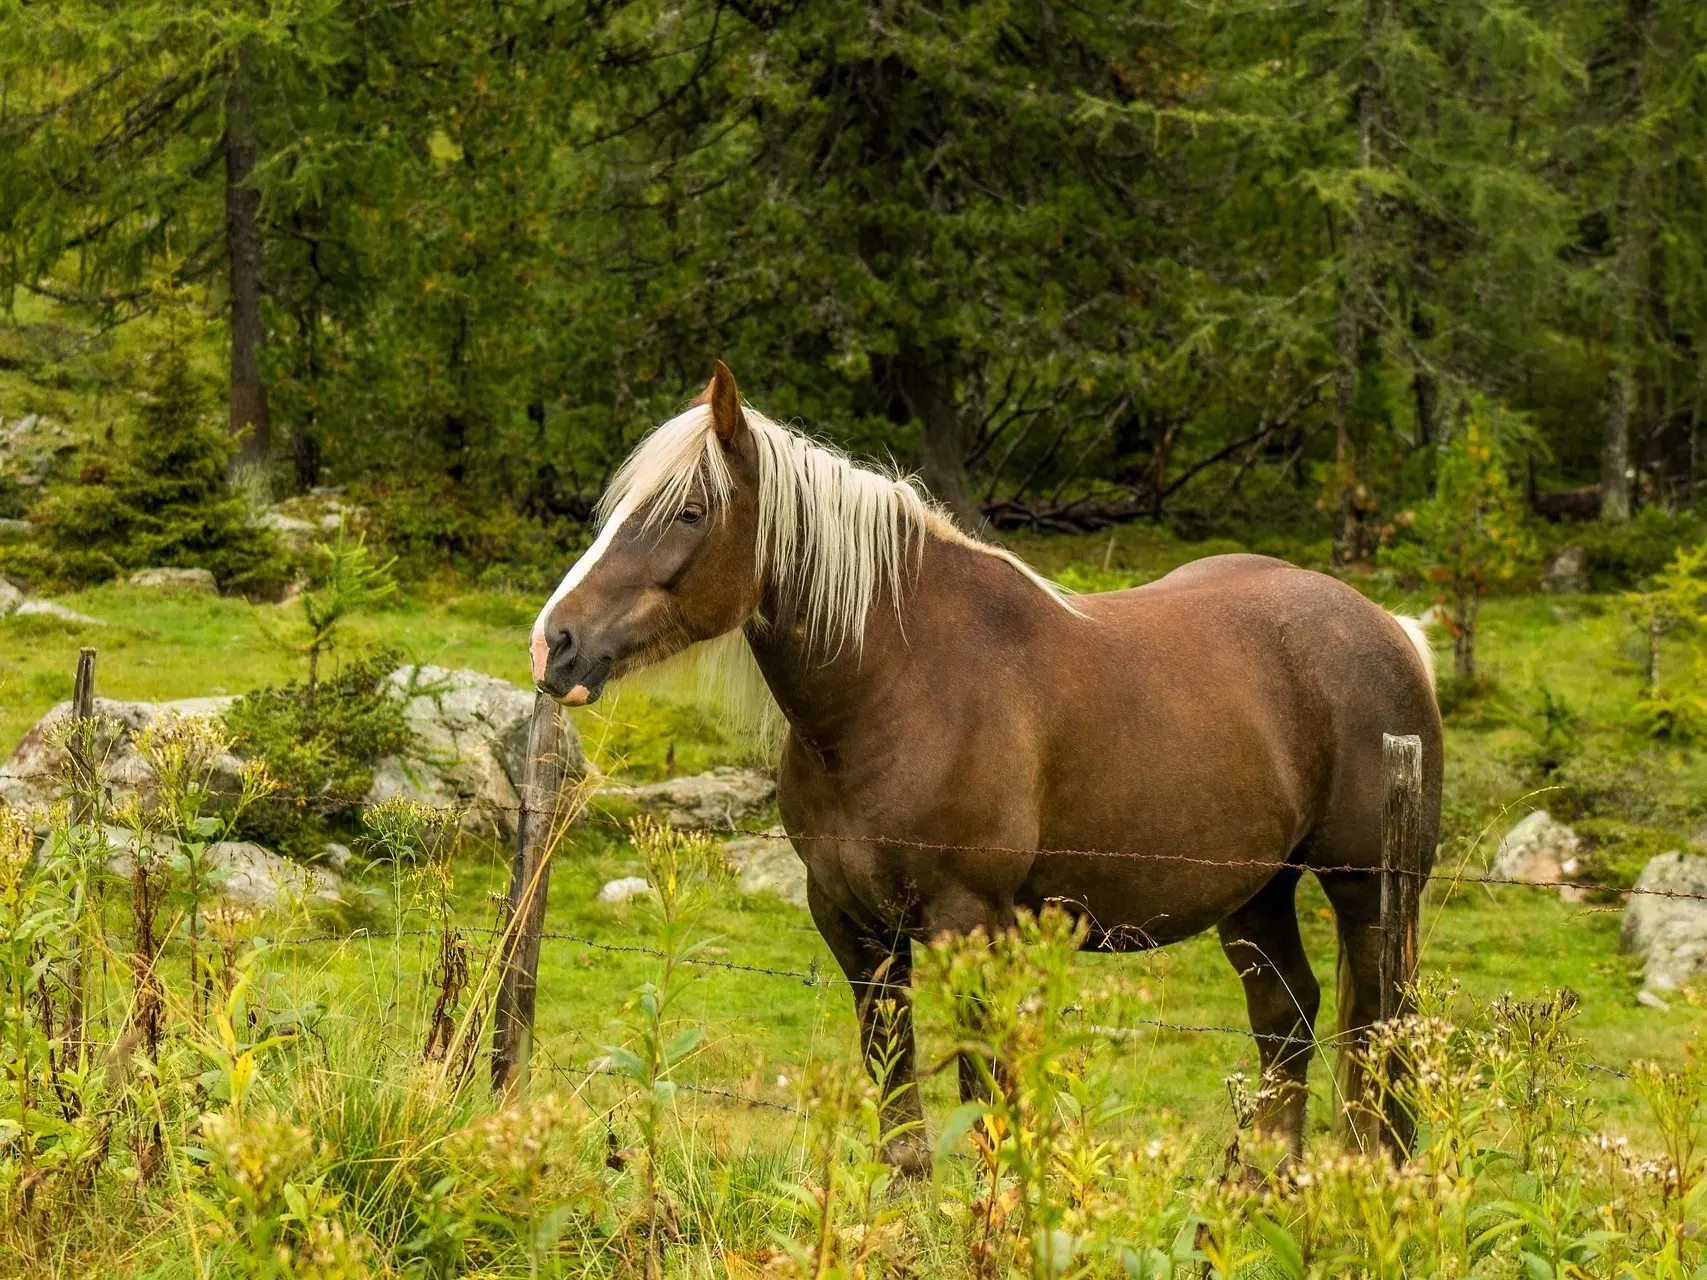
249, 422
1615, 447
1464, 643
1355, 281
1618, 401
925, 381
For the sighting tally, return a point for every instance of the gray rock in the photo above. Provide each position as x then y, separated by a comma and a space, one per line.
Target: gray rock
624, 889
53, 609
1567, 571
176, 580
472, 736
238, 872
10, 598
289, 528
1538, 849
1669, 933
768, 864
10, 527
720, 800
337, 855
1648, 1000
30, 777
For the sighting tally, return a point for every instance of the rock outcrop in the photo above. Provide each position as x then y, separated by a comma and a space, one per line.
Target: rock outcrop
31, 776
243, 874
1669, 932
719, 801
471, 746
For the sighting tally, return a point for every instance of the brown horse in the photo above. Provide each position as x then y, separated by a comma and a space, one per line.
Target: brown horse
964, 741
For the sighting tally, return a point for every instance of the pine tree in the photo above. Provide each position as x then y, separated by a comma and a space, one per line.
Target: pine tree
165, 502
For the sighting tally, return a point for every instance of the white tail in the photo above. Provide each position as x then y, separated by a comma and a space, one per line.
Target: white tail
1417, 634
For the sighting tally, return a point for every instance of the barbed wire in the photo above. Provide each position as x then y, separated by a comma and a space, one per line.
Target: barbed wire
691, 1087
1456, 876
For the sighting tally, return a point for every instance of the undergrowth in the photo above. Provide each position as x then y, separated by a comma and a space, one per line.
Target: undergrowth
192, 1118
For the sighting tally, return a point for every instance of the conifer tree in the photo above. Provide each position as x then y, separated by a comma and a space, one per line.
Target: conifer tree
164, 502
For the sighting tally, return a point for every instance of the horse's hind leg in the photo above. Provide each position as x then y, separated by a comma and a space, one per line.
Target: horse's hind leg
1356, 899
1282, 995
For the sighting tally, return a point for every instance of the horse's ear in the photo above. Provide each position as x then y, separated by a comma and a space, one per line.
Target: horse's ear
724, 397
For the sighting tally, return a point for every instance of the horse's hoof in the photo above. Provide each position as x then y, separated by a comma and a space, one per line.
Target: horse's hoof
910, 1159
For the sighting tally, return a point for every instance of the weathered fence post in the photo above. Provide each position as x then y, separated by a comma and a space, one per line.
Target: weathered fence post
81, 749
1401, 900
1401, 867
530, 881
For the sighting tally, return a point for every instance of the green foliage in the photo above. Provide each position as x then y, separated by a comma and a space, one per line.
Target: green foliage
320, 743
1675, 600
1626, 554
1473, 534
164, 501
347, 579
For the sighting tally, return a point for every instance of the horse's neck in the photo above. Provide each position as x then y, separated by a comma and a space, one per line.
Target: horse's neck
942, 608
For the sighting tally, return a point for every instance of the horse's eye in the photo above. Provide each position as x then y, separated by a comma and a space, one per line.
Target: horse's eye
691, 513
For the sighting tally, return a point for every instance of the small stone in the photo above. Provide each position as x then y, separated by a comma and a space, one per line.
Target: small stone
201, 580
1648, 1000
337, 856
623, 889
53, 609
1567, 573
11, 527
10, 598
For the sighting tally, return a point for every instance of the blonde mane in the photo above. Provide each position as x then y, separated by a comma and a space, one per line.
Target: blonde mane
834, 536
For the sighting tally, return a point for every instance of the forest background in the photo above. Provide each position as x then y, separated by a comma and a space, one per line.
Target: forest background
1243, 269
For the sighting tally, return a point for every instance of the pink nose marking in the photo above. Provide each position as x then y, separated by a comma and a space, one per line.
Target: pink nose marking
540, 651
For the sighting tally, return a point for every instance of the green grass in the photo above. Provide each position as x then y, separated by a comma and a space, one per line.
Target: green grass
762, 1027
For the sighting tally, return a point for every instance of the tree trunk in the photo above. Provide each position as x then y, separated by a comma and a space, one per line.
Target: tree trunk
1615, 448
1464, 643
1619, 397
1345, 471
926, 383
243, 248
1355, 281
1425, 387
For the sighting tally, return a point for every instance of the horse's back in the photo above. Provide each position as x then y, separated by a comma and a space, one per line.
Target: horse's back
1234, 707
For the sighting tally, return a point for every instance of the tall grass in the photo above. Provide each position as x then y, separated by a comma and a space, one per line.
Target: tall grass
207, 1121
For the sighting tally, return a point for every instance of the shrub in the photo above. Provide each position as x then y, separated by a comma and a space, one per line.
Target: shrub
1622, 555
164, 502
321, 743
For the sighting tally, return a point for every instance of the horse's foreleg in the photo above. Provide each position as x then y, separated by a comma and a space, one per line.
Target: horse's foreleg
1282, 995
881, 977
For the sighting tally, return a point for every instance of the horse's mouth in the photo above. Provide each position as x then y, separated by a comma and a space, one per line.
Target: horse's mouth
588, 689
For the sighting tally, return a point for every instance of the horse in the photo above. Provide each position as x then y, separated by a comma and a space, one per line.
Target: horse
966, 741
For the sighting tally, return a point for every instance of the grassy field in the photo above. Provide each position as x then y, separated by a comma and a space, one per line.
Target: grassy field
764, 1032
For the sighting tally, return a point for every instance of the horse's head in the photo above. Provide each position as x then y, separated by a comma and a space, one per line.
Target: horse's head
674, 563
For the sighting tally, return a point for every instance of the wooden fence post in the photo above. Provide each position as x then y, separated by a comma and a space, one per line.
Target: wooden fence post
530, 881
1401, 867
81, 750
